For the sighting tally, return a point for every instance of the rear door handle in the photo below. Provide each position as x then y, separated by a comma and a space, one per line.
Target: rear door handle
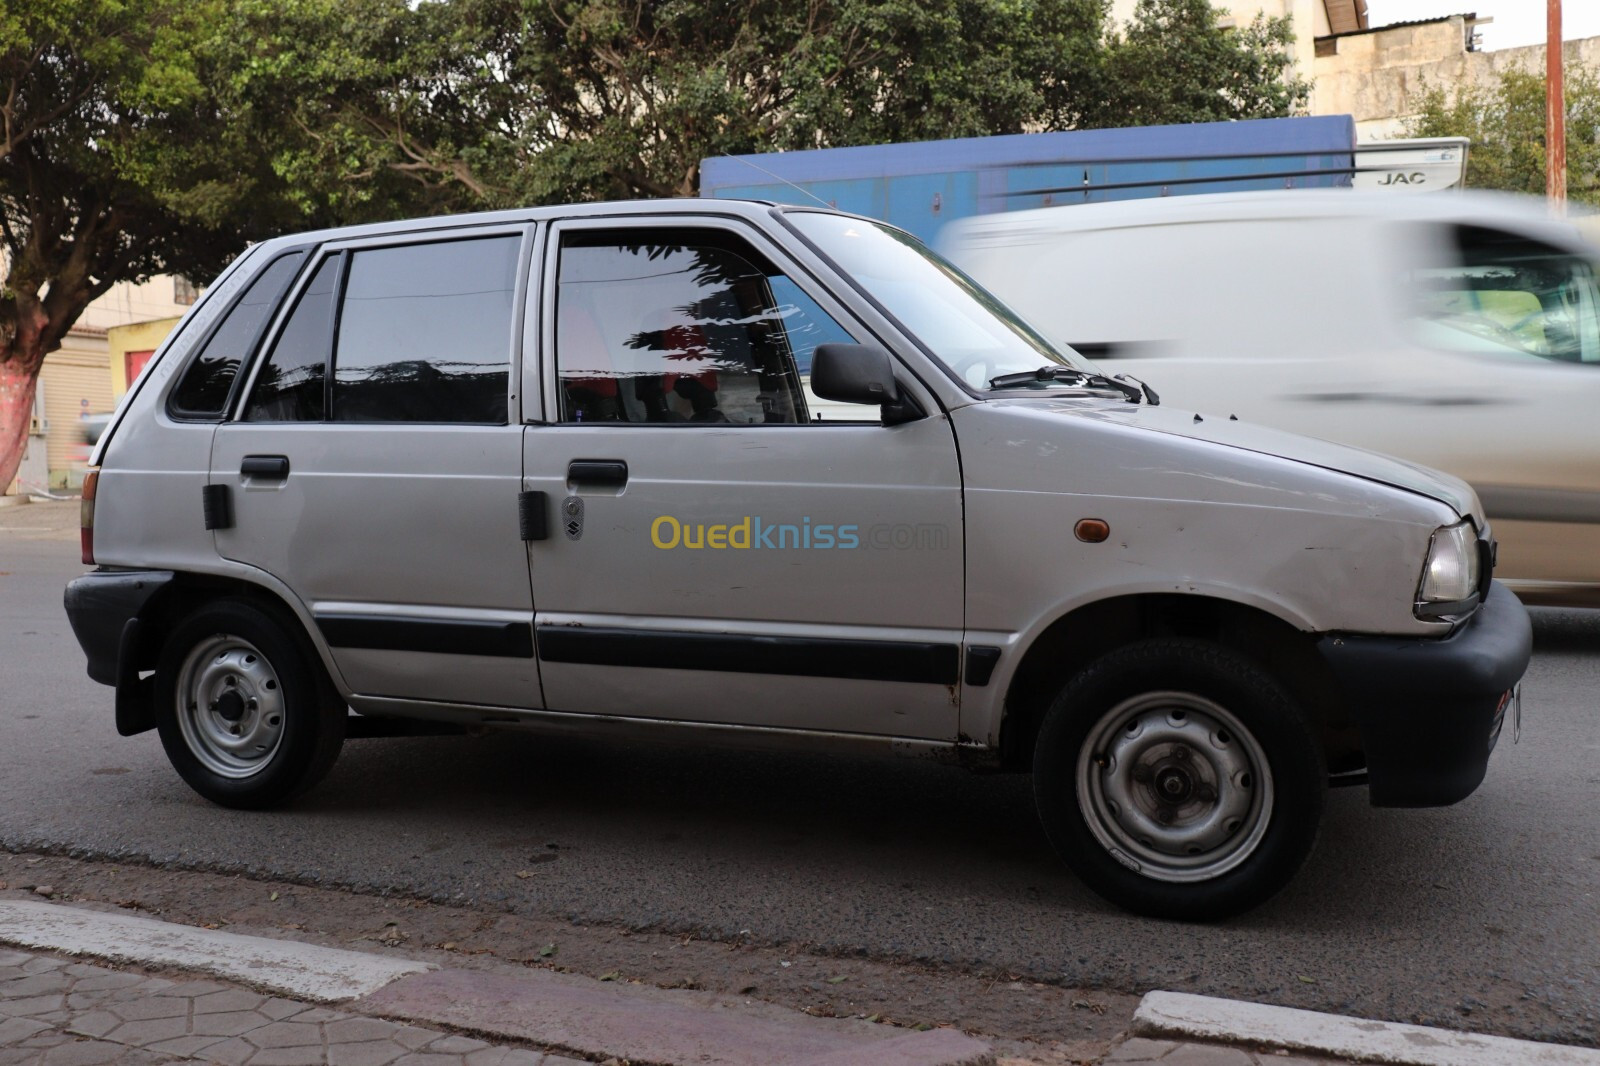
597, 472
266, 467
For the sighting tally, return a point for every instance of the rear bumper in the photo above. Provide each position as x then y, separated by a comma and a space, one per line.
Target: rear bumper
1430, 711
100, 604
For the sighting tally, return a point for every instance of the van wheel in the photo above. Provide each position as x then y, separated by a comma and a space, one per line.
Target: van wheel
1179, 780
245, 712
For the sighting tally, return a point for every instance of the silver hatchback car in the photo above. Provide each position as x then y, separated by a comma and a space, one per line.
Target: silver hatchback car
562, 469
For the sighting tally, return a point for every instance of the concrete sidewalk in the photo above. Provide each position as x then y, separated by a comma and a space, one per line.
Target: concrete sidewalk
55, 1011
268, 1002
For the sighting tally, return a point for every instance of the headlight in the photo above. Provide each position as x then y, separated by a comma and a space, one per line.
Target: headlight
1452, 573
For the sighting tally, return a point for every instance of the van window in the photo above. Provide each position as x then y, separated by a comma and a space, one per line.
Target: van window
678, 326
1504, 293
203, 392
425, 333
289, 387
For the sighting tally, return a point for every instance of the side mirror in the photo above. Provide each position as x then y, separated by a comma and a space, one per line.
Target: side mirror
860, 373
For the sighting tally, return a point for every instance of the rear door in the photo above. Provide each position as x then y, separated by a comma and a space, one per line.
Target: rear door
375, 459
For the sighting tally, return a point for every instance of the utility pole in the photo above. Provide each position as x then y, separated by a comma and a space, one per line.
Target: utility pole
1555, 115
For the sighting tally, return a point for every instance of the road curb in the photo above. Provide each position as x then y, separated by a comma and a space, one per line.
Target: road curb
302, 971
650, 1025
1180, 1016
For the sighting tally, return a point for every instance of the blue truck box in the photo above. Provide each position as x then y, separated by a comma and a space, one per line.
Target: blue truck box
922, 185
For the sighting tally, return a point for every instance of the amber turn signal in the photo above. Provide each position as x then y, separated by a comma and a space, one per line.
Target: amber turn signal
1092, 530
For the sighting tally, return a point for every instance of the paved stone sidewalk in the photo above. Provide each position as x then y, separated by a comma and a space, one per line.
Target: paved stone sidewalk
56, 1012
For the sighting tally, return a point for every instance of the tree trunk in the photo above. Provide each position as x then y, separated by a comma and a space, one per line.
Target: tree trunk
17, 378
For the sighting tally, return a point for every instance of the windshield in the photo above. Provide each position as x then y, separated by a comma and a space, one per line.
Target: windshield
970, 331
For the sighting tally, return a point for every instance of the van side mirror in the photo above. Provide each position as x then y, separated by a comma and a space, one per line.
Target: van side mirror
860, 373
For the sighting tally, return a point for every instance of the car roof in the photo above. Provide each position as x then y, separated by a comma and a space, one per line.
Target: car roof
751, 209
1469, 207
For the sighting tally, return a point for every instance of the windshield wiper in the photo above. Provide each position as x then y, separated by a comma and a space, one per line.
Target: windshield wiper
1131, 388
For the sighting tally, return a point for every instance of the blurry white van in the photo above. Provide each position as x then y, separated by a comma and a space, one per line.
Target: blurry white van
1461, 332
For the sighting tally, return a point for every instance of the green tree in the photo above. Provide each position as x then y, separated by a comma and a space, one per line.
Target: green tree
1176, 63
545, 100
1504, 120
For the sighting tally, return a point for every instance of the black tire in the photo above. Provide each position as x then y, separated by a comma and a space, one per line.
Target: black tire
259, 667
1205, 832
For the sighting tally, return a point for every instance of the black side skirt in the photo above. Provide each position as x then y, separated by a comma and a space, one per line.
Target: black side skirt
864, 660
512, 640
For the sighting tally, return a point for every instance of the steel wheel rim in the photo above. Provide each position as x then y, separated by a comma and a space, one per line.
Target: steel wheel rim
230, 706
1174, 787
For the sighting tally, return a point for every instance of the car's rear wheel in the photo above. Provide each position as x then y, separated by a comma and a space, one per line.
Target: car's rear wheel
1179, 780
244, 710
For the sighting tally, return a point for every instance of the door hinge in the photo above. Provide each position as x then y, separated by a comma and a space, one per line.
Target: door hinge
531, 515
217, 503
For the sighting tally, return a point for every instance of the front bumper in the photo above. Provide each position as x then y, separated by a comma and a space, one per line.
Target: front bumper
1429, 711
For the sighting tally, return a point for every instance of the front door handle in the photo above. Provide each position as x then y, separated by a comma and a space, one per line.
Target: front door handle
266, 467
597, 472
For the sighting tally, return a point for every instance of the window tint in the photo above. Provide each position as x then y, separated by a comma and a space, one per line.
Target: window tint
425, 333
290, 386
203, 392
679, 326
1503, 293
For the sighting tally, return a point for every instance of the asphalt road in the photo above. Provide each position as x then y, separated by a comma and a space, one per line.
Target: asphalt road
1484, 915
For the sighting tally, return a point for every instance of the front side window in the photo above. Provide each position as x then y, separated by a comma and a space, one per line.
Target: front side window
679, 325
1502, 293
976, 336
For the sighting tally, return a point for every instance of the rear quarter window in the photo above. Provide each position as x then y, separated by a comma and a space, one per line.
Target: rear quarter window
202, 393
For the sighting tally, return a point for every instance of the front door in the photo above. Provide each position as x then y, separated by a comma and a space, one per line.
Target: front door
715, 554
374, 467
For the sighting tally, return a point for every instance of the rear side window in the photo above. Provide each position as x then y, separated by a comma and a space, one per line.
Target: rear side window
425, 333
203, 392
422, 334
290, 386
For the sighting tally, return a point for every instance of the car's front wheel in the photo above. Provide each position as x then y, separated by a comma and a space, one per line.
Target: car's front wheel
244, 711
1179, 780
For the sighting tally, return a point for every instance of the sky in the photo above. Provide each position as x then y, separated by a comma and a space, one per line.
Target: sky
1516, 22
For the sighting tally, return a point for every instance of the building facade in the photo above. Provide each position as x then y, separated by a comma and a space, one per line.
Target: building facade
1376, 73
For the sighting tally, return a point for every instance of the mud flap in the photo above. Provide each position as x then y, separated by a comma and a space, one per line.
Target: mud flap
136, 704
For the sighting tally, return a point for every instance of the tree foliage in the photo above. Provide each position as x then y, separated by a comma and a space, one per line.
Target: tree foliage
1175, 63
1505, 122
116, 162
517, 101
